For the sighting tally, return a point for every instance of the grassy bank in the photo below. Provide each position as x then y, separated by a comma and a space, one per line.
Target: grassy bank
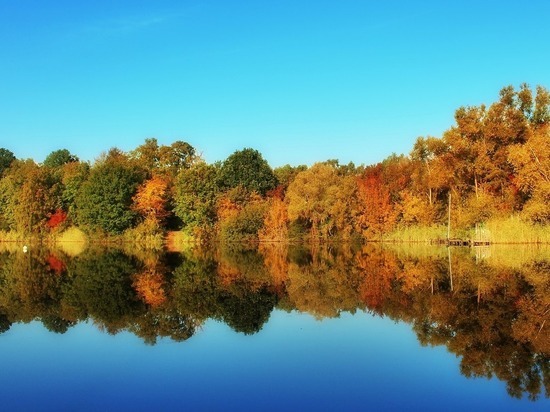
511, 230
74, 241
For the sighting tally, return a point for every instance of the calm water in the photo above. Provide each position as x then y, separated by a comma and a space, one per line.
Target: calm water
333, 328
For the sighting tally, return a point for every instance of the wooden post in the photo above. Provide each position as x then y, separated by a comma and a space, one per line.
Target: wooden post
450, 267
449, 220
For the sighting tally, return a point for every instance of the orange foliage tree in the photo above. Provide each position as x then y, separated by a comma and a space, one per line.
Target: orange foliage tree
275, 222
378, 214
151, 199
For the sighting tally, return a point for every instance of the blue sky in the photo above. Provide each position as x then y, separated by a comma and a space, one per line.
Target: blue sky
299, 81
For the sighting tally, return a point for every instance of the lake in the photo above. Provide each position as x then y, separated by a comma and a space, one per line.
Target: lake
328, 327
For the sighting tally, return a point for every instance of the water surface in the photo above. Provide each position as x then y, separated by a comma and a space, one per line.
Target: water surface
329, 328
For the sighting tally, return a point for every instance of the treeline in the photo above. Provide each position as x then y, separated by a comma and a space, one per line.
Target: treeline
494, 162
493, 313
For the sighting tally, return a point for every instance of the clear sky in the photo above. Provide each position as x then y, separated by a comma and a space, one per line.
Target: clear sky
301, 81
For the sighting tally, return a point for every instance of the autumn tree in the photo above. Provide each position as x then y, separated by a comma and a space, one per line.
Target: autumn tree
324, 200
151, 199
275, 225
479, 144
8, 189
414, 209
30, 195
541, 111
531, 162
378, 213
426, 175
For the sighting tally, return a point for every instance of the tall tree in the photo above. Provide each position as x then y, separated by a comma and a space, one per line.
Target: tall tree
424, 154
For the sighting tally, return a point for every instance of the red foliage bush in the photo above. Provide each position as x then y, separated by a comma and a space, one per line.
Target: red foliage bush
56, 219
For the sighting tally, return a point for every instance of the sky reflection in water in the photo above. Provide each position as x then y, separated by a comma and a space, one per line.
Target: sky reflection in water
356, 362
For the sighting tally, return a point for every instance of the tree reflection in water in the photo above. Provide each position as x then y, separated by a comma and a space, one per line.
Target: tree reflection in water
492, 310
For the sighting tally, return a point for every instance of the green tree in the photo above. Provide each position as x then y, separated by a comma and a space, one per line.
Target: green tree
245, 224
105, 199
541, 113
6, 159
178, 156
286, 174
147, 154
73, 175
8, 190
249, 169
168, 160
59, 157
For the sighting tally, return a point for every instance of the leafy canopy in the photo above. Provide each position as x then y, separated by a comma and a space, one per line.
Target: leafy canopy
247, 168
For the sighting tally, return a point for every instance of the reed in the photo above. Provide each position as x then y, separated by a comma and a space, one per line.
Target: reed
510, 230
514, 230
416, 234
